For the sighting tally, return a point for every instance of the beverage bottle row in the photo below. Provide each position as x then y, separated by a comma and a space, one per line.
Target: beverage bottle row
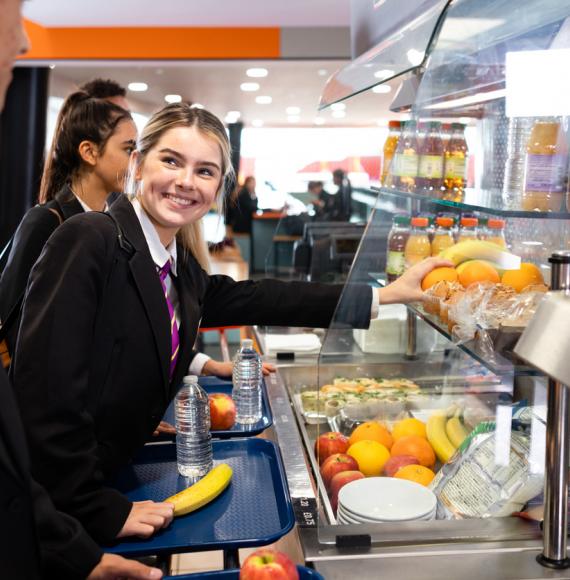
429, 158
411, 239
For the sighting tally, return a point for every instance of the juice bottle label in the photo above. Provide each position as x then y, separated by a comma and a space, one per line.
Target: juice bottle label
395, 263
545, 173
455, 168
405, 165
431, 166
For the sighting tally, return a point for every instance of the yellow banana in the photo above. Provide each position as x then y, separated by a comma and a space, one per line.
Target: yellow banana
455, 430
202, 492
481, 250
437, 436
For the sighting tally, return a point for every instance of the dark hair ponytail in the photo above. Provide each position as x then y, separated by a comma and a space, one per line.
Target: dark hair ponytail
81, 118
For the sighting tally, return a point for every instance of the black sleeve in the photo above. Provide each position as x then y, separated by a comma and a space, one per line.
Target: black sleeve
30, 237
51, 373
67, 551
273, 302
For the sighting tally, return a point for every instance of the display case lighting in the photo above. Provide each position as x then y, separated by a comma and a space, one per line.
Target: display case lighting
469, 100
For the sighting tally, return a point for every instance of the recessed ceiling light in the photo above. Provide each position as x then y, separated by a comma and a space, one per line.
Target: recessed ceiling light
322, 72
256, 73
257, 123
293, 118
52, 66
232, 116
293, 110
384, 73
319, 121
338, 107
197, 106
138, 87
382, 89
173, 98
338, 114
249, 87
263, 100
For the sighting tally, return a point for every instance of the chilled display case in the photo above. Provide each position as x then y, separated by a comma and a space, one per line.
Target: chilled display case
445, 425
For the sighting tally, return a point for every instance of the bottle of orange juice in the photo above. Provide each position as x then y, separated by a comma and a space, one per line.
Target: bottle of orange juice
388, 153
443, 237
467, 229
496, 232
546, 167
418, 245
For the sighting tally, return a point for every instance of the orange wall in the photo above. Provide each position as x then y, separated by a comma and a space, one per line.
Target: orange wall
151, 43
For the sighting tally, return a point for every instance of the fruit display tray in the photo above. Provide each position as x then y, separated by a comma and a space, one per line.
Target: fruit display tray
215, 385
304, 574
254, 510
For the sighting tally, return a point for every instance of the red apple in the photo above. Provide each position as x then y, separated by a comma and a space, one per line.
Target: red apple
222, 411
398, 461
268, 564
330, 443
339, 481
337, 463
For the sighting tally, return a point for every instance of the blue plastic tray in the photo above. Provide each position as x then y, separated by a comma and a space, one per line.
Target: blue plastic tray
304, 574
215, 385
255, 509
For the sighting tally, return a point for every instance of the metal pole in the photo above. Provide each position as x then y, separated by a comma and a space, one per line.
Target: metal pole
412, 335
556, 470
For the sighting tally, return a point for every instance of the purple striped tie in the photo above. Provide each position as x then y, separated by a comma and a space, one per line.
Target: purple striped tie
163, 273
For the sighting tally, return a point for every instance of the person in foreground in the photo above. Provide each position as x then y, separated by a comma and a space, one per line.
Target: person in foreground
38, 541
115, 363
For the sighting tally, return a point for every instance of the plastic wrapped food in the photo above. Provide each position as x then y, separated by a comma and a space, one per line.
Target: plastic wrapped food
479, 482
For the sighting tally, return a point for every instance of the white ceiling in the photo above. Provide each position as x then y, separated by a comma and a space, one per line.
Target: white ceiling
216, 85
215, 13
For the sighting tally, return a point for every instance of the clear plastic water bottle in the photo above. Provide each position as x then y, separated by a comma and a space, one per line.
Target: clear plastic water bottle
247, 384
193, 439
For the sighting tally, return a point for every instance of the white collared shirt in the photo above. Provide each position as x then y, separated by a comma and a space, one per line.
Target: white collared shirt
160, 255
85, 207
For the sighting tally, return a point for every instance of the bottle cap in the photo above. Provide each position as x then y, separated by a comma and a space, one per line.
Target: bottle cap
247, 343
495, 224
444, 222
190, 380
469, 222
420, 222
458, 126
401, 220
394, 124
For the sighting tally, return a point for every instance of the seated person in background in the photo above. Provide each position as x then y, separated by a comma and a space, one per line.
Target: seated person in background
321, 199
242, 209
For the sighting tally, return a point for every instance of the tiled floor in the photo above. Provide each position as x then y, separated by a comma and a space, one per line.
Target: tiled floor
205, 561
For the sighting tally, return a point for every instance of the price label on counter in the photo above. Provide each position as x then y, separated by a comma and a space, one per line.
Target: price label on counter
305, 509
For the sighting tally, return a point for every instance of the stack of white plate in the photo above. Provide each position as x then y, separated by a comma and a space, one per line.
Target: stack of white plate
385, 499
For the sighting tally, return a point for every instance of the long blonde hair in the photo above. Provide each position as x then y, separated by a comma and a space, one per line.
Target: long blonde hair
191, 236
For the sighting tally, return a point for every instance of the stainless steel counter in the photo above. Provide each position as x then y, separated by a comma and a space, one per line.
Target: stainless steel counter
501, 548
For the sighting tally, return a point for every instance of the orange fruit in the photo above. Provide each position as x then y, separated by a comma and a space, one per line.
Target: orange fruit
410, 426
371, 431
520, 279
478, 271
437, 275
370, 456
415, 446
417, 473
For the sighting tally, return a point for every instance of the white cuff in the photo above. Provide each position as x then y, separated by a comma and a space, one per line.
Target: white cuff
375, 308
197, 364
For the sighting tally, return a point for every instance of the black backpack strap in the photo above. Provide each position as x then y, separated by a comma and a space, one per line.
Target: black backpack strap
124, 243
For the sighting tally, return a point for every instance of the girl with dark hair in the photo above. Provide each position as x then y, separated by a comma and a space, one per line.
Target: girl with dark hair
88, 159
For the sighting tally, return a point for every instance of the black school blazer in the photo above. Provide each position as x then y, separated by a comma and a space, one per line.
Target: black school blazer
33, 232
91, 364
